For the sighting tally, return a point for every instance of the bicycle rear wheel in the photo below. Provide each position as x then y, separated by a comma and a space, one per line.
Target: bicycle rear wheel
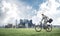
49, 28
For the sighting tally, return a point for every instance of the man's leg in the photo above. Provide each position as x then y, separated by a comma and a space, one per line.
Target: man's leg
45, 25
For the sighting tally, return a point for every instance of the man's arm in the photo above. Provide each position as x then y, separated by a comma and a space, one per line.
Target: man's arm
41, 19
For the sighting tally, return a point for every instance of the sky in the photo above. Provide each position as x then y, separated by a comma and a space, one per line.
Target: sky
11, 10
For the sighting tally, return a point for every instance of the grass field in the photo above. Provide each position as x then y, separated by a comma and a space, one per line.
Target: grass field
27, 32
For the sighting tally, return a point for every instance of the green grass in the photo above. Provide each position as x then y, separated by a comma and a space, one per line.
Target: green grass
27, 32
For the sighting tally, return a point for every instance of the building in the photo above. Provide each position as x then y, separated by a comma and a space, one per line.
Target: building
8, 26
25, 23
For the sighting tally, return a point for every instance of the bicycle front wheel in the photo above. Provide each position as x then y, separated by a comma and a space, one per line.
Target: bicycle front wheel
38, 28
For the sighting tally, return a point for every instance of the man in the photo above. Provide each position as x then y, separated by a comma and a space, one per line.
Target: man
44, 19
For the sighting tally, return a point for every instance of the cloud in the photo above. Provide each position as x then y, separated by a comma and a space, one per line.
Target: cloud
49, 8
15, 10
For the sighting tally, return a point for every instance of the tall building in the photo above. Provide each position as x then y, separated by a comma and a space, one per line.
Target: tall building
25, 23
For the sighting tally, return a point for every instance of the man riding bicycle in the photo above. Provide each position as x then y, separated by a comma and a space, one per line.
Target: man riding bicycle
44, 25
45, 20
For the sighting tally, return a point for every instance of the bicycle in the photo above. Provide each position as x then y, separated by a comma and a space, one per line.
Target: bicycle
47, 27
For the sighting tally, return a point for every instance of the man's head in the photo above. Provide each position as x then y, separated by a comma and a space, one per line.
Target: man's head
42, 14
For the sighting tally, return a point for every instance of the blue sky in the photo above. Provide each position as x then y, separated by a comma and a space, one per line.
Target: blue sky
28, 9
34, 3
